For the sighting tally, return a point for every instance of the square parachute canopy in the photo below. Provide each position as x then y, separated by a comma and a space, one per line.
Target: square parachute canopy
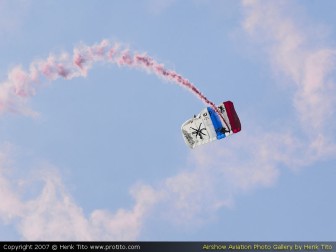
208, 126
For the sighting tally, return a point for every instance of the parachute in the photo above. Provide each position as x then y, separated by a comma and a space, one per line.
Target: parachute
208, 126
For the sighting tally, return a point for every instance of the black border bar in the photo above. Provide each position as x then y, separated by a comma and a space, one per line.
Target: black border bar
199, 246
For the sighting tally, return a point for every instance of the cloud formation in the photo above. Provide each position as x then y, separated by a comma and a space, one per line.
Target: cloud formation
52, 213
292, 51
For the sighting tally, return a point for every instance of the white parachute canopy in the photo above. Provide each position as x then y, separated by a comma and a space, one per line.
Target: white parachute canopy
208, 126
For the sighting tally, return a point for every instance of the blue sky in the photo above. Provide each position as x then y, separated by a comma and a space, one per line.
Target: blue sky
101, 156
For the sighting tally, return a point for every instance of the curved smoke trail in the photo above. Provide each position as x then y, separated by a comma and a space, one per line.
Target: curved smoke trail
21, 84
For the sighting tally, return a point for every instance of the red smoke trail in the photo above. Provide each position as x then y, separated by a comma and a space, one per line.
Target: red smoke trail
158, 69
21, 85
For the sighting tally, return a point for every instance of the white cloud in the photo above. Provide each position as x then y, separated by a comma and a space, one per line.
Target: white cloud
10, 205
292, 52
53, 214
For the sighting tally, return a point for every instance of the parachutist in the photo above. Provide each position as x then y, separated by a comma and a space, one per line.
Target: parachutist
224, 130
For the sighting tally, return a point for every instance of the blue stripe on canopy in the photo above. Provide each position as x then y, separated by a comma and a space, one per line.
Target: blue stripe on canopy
216, 123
